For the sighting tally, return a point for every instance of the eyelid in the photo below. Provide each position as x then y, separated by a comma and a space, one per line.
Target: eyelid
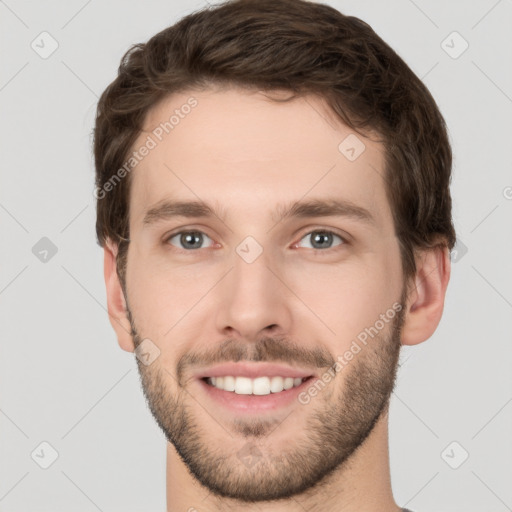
185, 229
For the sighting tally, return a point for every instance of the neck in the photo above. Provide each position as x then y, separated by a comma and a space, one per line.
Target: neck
362, 484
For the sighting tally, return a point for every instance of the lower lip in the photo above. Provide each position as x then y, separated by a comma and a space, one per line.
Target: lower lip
254, 403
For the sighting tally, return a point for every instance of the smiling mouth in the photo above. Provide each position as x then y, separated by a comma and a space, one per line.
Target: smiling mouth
259, 386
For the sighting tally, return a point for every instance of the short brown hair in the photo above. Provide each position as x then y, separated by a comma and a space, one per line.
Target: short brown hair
304, 48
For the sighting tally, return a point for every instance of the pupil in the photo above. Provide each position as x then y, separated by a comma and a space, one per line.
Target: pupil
322, 238
190, 238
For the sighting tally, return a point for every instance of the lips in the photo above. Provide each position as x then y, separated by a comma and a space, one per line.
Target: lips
259, 401
241, 404
254, 370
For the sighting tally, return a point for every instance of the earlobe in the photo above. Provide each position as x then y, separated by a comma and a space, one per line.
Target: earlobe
425, 304
116, 304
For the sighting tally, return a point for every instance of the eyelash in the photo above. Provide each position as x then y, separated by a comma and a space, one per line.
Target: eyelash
316, 230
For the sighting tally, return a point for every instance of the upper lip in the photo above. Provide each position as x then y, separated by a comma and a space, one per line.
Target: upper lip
253, 370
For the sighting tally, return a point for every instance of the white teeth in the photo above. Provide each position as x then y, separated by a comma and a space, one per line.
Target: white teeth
258, 386
288, 383
261, 386
243, 386
229, 384
276, 384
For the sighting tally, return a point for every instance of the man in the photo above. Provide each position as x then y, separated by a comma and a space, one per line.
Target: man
274, 207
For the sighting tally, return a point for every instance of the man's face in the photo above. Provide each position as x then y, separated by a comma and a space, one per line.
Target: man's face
246, 286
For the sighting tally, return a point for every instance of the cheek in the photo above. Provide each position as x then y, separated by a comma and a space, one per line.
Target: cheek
161, 296
347, 298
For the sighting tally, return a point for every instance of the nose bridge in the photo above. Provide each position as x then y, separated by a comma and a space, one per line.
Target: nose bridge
252, 296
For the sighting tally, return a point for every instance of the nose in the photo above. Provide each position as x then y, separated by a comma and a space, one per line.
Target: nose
252, 299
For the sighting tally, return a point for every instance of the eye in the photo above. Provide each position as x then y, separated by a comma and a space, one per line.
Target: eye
189, 239
322, 239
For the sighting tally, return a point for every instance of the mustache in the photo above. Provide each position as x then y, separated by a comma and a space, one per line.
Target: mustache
269, 349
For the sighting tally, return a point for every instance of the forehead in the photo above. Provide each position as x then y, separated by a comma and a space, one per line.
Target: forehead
247, 152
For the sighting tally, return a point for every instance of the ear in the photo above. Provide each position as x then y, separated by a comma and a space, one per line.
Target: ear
425, 304
117, 310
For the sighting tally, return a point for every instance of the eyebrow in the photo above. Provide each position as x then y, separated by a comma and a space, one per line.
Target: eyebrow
325, 207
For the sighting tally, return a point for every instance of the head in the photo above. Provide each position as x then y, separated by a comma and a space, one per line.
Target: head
252, 107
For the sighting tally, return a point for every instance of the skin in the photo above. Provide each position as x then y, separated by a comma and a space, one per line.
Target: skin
295, 303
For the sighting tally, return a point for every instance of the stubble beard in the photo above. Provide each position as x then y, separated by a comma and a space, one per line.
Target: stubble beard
338, 421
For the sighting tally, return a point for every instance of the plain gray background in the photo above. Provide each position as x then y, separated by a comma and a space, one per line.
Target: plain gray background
65, 381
